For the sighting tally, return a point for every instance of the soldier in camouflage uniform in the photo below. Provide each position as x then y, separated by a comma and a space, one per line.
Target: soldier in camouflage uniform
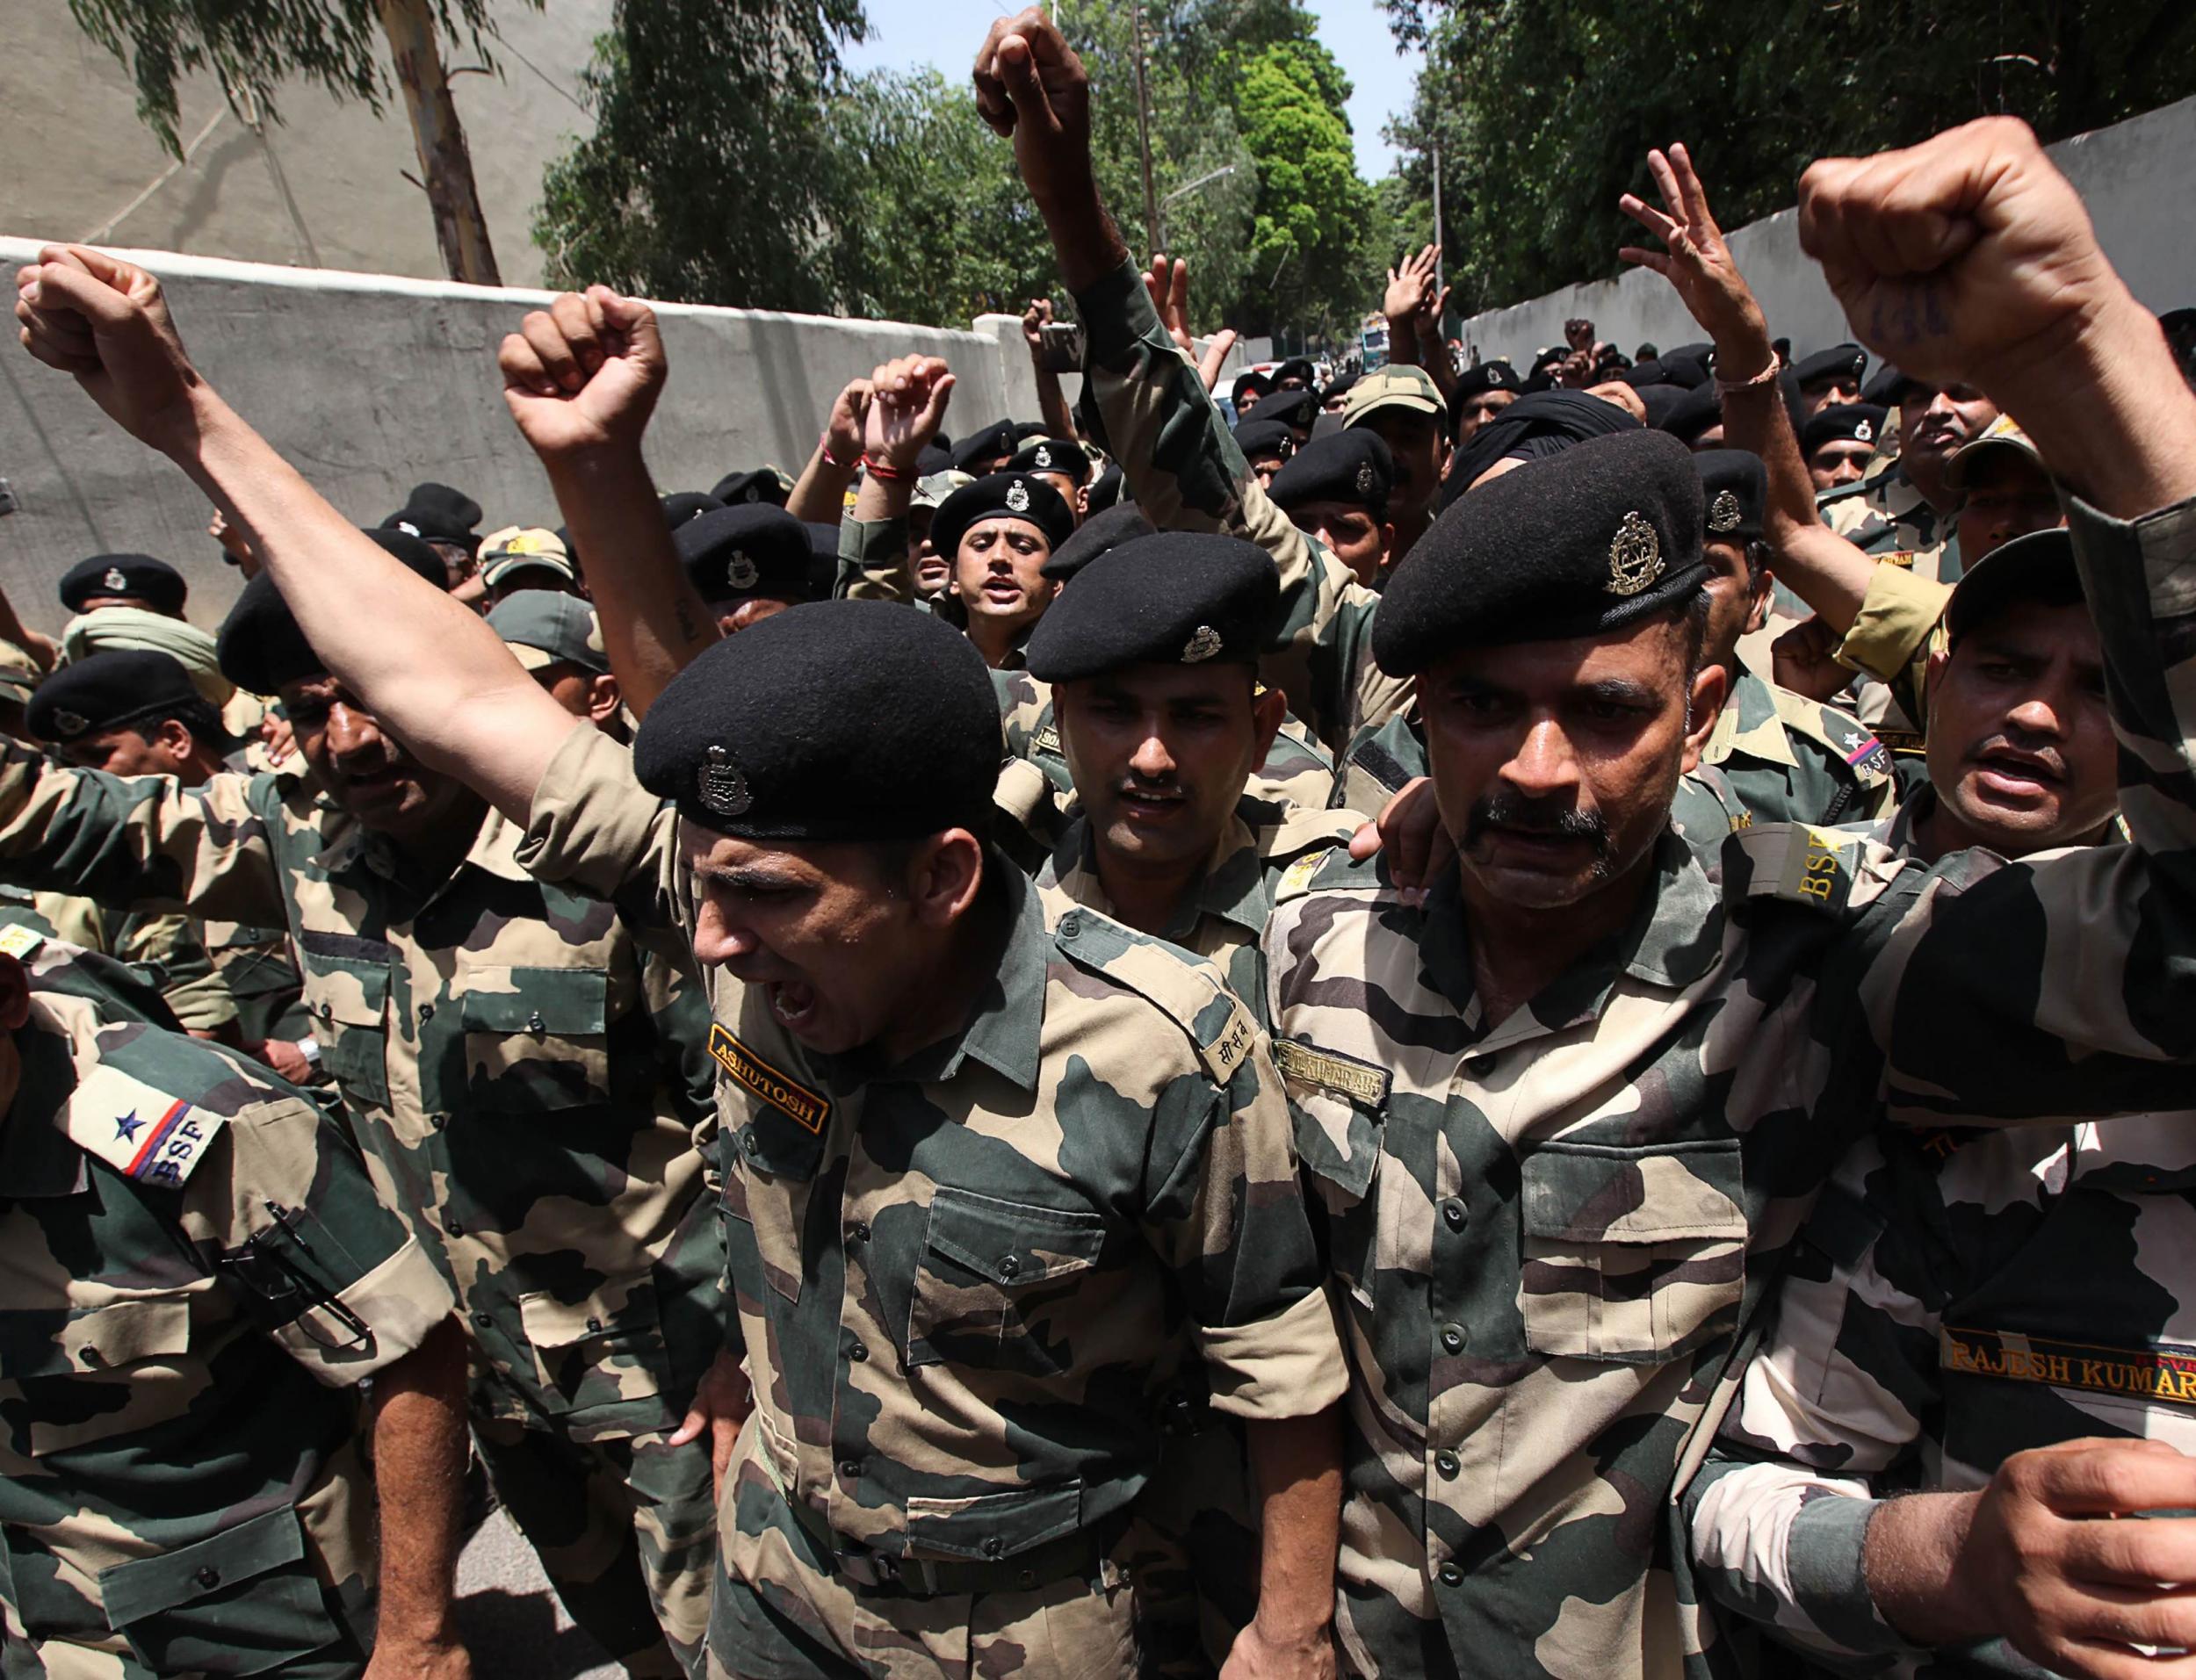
1906, 513
132, 712
1958, 1297
524, 1077
200, 1281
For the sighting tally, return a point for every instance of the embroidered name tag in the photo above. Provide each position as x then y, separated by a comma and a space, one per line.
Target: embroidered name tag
747, 1068
143, 1134
1047, 740
20, 942
2163, 1374
1345, 1076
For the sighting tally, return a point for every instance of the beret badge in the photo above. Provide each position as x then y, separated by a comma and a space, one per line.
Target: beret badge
742, 572
1722, 513
1364, 477
1635, 557
720, 786
1018, 497
1043, 456
70, 723
114, 579
408, 528
1863, 431
1203, 643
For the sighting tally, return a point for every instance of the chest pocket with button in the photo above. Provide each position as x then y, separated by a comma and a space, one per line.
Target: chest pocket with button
106, 1370
244, 1601
536, 1038
347, 993
600, 1350
1630, 1254
996, 1283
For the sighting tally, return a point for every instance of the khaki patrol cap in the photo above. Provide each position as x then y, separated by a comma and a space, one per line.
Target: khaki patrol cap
1394, 387
542, 628
2001, 434
516, 547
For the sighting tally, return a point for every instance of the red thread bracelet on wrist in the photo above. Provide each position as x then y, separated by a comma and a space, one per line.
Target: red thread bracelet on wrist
823, 448
885, 470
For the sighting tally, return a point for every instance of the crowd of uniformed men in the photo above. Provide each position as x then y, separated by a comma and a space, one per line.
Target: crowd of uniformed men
850, 1042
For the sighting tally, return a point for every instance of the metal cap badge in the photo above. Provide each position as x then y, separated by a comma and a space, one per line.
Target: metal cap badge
1635, 556
1724, 514
742, 572
1203, 643
720, 786
1018, 496
114, 579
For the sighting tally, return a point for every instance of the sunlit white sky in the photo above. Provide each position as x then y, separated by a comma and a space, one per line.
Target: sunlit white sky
904, 33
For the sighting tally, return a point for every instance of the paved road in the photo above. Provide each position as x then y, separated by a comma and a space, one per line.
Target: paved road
512, 1622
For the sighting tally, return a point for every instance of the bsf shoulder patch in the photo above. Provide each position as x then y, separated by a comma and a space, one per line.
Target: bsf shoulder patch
2161, 1374
1296, 880
1801, 864
1305, 1067
806, 1108
145, 1135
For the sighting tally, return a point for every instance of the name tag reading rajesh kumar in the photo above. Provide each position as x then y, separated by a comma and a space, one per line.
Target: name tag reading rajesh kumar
808, 1110
2160, 1375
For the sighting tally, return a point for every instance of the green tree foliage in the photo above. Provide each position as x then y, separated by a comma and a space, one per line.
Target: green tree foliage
1544, 109
251, 45
709, 174
1309, 262
712, 178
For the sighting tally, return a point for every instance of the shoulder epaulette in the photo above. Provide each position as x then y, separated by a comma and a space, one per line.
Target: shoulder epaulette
1305, 832
145, 1134
1840, 732
1796, 862
1185, 989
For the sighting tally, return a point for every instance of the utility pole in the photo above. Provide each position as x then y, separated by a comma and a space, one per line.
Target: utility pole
1152, 232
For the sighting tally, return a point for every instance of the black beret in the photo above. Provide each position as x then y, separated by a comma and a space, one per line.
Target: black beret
1250, 380
1600, 537
1295, 409
762, 485
1699, 353
104, 691
1734, 488
259, 646
1353, 465
440, 514
1054, 455
1486, 376
1842, 423
1840, 361
1689, 371
1258, 438
1105, 491
1010, 495
835, 720
2038, 567
933, 460
687, 504
1026, 429
1885, 389
1297, 367
1339, 387
996, 441
139, 576
1698, 411
1647, 371
1172, 598
755, 549
1093, 538
823, 559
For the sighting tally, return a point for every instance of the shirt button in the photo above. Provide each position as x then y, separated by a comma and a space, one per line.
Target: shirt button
454, 1228
993, 1545
1069, 923
850, 1468
859, 1231
1010, 1268
594, 1327
1453, 1337
438, 1120
533, 1023
1453, 1211
482, 1320
857, 1353
426, 1012
327, 1012
752, 1143
1451, 1576
209, 1577
1446, 1463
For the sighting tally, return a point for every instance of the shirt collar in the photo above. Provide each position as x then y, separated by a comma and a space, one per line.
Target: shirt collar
1005, 1032
1750, 724
1231, 887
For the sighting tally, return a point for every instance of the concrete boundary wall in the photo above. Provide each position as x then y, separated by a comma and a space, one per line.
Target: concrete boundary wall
370, 383
2132, 174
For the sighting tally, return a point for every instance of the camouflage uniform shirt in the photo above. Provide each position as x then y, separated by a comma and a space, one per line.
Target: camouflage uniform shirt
199, 1278
1552, 1229
524, 1078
